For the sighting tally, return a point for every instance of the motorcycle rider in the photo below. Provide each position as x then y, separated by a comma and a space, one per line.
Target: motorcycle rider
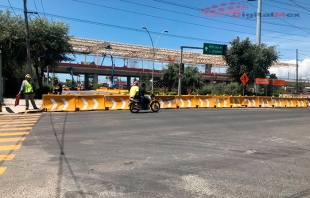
133, 94
143, 100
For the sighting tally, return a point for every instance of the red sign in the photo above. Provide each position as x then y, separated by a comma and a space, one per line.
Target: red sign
278, 82
262, 81
244, 79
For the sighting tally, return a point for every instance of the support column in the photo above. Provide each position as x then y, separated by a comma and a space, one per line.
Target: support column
128, 82
95, 79
86, 79
208, 68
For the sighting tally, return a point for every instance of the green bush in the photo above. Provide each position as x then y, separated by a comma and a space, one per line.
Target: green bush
233, 89
96, 86
44, 90
205, 90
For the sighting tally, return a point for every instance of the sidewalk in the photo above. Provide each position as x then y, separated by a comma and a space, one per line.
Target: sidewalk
9, 106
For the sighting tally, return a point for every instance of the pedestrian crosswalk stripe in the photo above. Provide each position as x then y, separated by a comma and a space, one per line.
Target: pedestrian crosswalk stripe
17, 125
7, 157
21, 115
12, 139
16, 129
9, 147
15, 122
2, 169
14, 133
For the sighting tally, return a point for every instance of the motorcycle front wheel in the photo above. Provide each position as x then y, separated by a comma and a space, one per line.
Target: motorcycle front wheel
133, 108
155, 106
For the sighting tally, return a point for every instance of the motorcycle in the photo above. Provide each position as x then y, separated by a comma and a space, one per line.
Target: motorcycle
152, 103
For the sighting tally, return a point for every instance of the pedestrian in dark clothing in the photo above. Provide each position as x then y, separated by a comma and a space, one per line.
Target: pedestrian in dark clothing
142, 92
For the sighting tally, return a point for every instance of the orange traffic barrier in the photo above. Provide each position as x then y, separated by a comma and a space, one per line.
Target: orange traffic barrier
90, 102
221, 101
113, 102
290, 102
265, 101
166, 101
51, 102
204, 101
308, 102
301, 102
278, 102
185, 101
236, 101
250, 101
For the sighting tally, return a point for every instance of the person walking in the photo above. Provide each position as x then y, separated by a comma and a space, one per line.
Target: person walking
28, 89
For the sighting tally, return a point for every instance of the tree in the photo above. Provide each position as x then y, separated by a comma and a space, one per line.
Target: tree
191, 78
170, 76
13, 48
301, 86
245, 57
49, 45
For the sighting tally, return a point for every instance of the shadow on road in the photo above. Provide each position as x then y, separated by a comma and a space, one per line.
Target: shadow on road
63, 159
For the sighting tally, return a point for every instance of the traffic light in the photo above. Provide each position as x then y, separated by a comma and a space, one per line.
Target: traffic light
181, 68
224, 49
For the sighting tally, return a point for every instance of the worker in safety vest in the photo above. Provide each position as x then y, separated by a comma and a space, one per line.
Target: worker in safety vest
27, 88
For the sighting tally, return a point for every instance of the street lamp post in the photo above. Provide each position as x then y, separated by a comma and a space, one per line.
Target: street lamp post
154, 52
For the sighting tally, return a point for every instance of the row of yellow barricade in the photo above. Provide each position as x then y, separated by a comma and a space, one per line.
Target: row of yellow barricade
80, 102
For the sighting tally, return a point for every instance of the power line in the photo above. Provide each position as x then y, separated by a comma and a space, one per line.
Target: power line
205, 18
284, 21
300, 6
43, 8
139, 30
193, 8
178, 20
288, 4
303, 3
35, 5
12, 8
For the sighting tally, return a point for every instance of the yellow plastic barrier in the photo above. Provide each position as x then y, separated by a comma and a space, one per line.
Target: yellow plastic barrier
166, 101
51, 102
236, 101
301, 102
185, 101
113, 102
308, 102
265, 101
290, 102
278, 102
250, 101
221, 102
204, 101
90, 102
116, 91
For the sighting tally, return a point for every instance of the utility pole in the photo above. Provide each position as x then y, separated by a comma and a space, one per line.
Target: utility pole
27, 38
296, 70
259, 19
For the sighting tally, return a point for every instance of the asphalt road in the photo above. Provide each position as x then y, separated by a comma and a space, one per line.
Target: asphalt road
230, 153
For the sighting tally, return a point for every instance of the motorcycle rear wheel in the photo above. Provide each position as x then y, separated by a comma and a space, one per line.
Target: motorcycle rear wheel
155, 106
133, 108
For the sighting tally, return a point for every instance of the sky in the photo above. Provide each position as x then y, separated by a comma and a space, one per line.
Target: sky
190, 23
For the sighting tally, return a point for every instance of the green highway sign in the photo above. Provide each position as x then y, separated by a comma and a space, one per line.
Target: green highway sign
214, 49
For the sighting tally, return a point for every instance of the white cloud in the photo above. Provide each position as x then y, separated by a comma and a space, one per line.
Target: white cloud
290, 72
